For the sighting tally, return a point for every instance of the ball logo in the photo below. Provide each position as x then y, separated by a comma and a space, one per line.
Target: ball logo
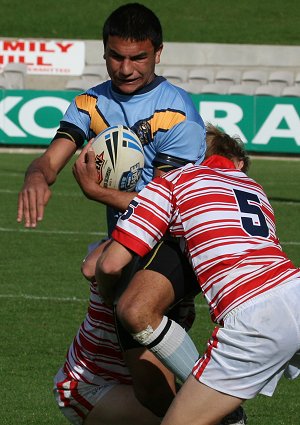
130, 178
100, 165
112, 146
119, 158
99, 160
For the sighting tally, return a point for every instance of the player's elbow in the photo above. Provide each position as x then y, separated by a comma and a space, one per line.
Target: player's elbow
88, 270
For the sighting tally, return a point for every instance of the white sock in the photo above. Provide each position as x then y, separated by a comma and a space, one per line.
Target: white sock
172, 345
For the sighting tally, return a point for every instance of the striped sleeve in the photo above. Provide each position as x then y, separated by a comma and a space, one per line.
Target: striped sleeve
147, 217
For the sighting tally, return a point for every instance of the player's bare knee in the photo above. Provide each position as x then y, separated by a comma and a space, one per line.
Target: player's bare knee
130, 314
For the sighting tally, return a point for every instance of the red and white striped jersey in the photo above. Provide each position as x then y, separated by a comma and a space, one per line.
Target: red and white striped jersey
227, 223
95, 356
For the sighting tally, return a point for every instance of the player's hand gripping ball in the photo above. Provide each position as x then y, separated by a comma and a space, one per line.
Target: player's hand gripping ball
119, 158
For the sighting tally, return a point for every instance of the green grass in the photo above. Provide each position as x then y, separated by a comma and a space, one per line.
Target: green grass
218, 21
281, 181
40, 275
43, 296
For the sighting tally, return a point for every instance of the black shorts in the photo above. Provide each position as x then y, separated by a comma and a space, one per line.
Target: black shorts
167, 259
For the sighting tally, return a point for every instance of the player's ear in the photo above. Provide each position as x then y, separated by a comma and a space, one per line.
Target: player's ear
158, 53
239, 164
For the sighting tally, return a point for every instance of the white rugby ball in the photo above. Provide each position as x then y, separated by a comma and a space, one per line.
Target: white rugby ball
119, 158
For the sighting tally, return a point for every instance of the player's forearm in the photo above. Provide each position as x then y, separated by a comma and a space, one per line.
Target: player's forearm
111, 197
107, 279
41, 168
107, 287
109, 269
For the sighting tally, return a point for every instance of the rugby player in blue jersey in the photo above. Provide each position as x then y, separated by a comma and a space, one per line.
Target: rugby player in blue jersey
164, 118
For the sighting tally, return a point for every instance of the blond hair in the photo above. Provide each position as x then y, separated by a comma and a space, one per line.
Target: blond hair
220, 143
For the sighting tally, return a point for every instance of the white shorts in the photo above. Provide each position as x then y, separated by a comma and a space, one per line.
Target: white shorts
260, 341
76, 399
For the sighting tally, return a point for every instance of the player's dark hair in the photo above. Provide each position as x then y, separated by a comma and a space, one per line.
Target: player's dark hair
133, 21
231, 147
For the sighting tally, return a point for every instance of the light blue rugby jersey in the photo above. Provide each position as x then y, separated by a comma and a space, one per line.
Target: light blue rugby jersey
162, 115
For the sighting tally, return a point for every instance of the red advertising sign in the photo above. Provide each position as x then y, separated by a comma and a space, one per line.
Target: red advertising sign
44, 57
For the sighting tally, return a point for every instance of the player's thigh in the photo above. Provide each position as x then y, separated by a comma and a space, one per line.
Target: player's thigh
147, 297
119, 406
198, 404
163, 278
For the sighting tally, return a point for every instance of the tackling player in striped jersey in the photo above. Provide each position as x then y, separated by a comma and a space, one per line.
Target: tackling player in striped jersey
252, 288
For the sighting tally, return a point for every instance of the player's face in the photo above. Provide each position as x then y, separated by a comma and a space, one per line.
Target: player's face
130, 64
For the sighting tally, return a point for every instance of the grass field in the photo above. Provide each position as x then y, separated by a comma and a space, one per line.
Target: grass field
43, 297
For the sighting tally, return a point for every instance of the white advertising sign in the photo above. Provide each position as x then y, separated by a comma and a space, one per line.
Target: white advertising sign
42, 57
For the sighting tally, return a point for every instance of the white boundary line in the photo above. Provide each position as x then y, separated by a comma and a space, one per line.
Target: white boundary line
60, 299
54, 232
72, 232
73, 194
43, 298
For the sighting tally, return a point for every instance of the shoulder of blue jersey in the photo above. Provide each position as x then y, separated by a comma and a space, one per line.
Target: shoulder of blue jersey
119, 158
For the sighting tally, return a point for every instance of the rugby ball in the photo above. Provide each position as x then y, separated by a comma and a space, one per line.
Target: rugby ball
119, 158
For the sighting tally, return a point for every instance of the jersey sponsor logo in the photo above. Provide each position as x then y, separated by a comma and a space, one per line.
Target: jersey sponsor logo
143, 130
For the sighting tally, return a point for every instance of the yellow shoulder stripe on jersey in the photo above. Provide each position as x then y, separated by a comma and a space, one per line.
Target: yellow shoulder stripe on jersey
88, 104
164, 120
